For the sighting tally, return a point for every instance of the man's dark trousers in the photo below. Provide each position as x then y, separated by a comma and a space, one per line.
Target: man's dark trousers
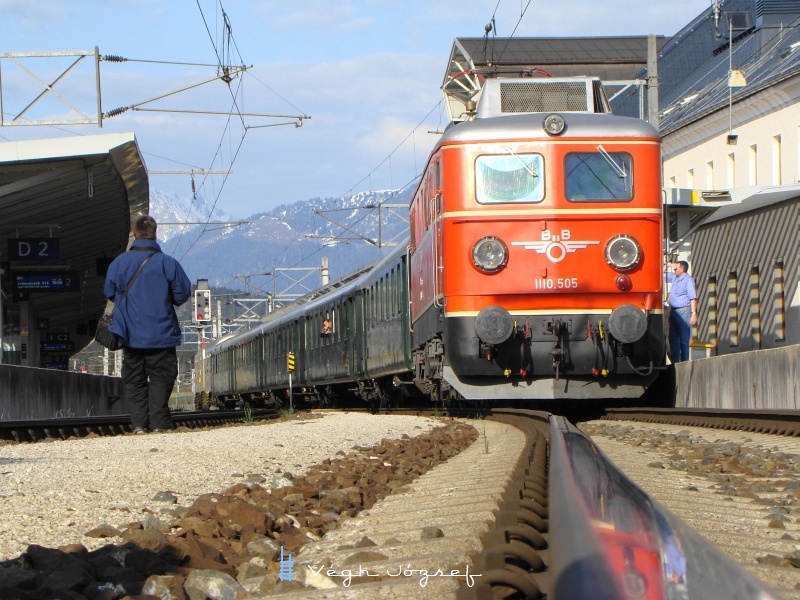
149, 377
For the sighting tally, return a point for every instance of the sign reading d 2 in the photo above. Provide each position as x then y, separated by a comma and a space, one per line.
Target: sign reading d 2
34, 249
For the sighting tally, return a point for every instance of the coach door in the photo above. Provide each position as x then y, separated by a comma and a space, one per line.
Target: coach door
356, 331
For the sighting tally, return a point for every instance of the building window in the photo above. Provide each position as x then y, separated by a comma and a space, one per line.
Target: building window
731, 171
776, 161
713, 302
753, 166
672, 183
797, 168
754, 300
733, 309
710, 175
778, 302
690, 179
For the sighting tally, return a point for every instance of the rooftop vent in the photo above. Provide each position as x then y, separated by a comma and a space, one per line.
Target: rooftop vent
773, 17
737, 21
776, 7
534, 95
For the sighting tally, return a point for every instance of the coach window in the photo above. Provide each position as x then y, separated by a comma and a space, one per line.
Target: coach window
394, 292
509, 178
598, 176
327, 326
381, 299
368, 305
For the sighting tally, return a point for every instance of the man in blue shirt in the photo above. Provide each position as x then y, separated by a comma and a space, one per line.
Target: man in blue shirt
146, 321
683, 309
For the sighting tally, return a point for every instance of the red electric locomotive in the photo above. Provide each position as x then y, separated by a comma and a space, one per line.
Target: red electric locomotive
536, 249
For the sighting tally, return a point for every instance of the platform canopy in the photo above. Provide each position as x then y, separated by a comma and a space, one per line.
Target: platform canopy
65, 211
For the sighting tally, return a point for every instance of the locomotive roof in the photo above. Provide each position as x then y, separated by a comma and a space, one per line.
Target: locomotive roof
529, 126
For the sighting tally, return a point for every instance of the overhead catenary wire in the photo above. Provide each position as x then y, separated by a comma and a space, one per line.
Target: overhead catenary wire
386, 162
225, 58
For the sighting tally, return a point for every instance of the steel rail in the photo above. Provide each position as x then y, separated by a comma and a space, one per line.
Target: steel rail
32, 430
776, 422
581, 529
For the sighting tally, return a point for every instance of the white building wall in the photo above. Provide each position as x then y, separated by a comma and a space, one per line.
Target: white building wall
757, 121
757, 137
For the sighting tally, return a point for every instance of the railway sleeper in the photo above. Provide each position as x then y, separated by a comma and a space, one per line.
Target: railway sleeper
515, 547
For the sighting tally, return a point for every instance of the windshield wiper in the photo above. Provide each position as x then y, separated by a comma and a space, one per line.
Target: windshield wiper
619, 169
525, 165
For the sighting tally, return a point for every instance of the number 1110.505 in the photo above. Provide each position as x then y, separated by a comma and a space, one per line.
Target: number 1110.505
560, 283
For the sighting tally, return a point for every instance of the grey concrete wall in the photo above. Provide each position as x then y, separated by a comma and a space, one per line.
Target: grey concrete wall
30, 393
762, 379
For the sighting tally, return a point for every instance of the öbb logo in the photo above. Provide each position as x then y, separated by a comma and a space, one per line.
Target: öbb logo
556, 246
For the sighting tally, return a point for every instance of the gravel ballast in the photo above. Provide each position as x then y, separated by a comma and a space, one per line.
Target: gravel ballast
53, 493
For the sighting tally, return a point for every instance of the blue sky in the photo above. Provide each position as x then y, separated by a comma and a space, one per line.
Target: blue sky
366, 72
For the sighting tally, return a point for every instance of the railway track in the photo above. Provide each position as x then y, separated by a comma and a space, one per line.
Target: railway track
774, 422
604, 536
566, 517
36, 430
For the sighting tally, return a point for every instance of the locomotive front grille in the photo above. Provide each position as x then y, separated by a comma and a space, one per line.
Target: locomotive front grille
530, 97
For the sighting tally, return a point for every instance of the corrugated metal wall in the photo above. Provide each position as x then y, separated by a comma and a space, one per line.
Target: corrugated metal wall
30, 393
746, 270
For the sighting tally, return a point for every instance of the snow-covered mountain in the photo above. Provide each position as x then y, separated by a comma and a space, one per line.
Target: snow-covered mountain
168, 207
281, 241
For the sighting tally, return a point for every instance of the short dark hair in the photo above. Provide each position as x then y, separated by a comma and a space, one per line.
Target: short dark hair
684, 264
144, 228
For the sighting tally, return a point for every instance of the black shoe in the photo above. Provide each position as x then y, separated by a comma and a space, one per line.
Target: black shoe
139, 430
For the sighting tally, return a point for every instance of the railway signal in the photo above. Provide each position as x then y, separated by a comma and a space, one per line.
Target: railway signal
202, 306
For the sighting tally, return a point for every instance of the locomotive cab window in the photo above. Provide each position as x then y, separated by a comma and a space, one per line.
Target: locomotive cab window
509, 178
598, 176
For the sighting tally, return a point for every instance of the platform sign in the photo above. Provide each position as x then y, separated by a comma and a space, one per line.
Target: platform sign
61, 336
58, 365
43, 249
58, 346
63, 281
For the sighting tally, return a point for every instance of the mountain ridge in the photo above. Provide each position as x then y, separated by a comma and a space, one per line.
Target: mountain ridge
281, 243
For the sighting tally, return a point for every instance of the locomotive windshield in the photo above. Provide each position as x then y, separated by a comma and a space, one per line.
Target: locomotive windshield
599, 176
514, 178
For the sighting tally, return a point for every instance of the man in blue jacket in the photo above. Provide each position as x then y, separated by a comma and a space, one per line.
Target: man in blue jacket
145, 319
683, 310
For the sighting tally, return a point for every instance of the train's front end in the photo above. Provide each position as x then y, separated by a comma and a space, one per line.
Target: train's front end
545, 248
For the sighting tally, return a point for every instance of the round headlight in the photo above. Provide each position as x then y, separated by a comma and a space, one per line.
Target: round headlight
623, 252
489, 254
554, 124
